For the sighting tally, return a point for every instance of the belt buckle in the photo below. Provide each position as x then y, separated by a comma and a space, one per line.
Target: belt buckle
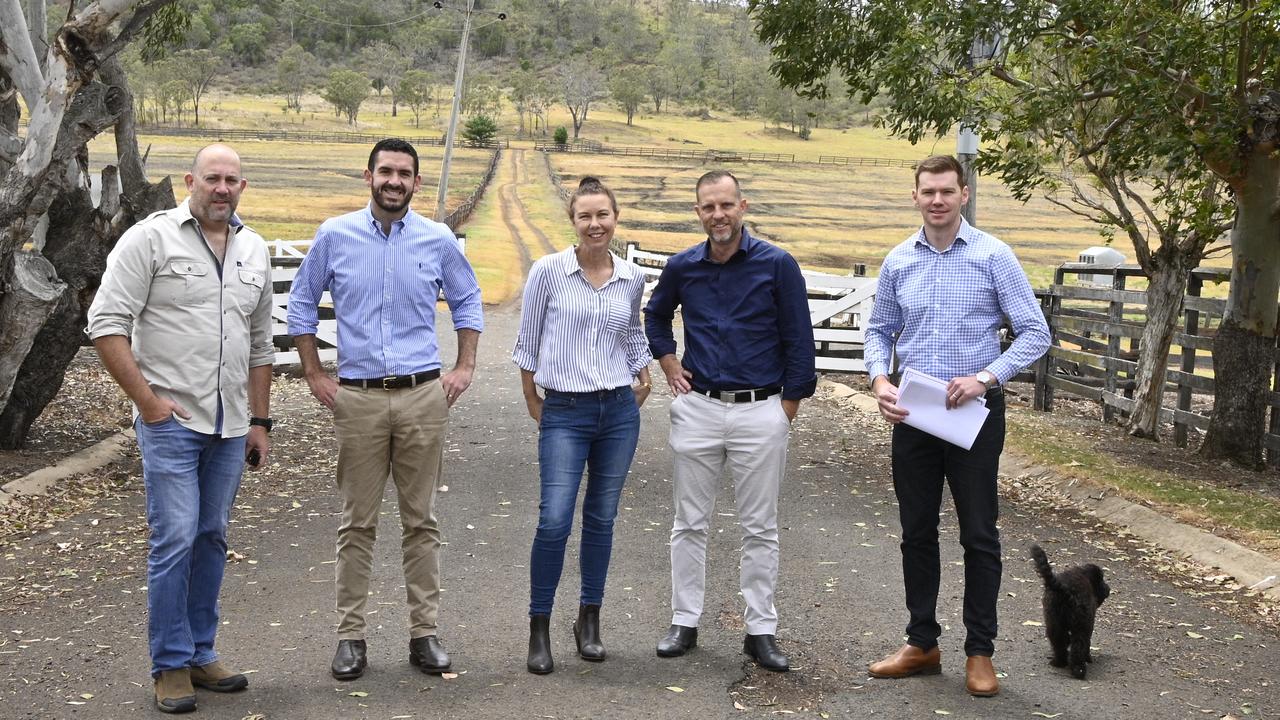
386, 382
727, 396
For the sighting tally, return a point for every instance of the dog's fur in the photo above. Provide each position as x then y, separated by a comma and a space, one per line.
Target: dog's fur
1071, 600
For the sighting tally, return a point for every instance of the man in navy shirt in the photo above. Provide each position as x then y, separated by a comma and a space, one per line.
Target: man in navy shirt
748, 362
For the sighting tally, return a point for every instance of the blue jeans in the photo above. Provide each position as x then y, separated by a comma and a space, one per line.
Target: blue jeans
598, 431
191, 480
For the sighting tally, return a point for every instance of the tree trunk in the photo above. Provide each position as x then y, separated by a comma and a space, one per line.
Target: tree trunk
1244, 349
1165, 289
32, 289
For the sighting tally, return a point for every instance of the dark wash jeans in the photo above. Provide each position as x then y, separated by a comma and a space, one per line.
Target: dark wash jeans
920, 464
598, 431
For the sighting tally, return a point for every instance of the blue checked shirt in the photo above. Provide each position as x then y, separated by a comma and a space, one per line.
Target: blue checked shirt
384, 291
575, 338
944, 309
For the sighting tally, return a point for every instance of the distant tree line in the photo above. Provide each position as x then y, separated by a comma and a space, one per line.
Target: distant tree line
702, 57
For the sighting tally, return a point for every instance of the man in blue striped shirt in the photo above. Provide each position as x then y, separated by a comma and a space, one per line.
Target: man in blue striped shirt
385, 267
748, 362
942, 297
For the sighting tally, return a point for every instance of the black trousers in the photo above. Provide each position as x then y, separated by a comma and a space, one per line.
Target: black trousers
920, 464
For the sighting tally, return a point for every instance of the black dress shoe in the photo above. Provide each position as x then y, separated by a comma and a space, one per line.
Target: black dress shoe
764, 650
349, 662
679, 640
427, 654
586, 633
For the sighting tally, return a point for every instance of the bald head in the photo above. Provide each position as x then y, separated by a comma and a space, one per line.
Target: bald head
215, 184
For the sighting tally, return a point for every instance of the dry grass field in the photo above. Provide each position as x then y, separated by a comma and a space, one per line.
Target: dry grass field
829, 217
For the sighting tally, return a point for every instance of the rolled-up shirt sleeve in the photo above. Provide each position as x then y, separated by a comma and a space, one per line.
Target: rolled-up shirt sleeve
126, 285
461, 290
636, 344
533, 313
1026, 319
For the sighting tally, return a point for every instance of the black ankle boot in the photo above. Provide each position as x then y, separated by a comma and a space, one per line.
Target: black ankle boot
540, 662
586, 632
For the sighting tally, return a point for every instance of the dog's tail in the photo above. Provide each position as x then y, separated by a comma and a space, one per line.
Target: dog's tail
1043, 567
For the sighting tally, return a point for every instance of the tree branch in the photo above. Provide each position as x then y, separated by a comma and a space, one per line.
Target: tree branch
17, 57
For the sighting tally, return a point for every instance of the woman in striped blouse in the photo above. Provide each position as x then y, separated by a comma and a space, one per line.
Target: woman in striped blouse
581, 341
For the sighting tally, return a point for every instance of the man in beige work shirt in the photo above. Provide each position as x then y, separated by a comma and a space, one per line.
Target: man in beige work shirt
182, 321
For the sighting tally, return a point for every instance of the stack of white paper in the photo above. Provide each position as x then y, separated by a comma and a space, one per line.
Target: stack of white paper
925, 398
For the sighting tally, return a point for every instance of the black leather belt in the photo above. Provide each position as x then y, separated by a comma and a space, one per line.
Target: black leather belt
740, 396
392, 382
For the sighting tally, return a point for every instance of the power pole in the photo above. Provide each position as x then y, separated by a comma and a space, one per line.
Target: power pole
966, 153
453, 115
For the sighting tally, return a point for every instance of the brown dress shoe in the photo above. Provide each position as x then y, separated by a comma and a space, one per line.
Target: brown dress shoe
908, 660
980, 677
174, 693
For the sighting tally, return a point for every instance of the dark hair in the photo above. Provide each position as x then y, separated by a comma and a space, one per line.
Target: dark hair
393, 145
716, 176
938, 164
592, 186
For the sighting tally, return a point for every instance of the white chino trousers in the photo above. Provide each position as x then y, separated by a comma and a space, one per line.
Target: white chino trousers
707, 434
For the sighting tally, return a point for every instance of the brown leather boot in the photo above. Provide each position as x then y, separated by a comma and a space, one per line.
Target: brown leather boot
980, 677
908, 660
174, 693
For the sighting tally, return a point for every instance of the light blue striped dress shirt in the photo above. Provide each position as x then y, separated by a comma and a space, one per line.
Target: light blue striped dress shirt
945, 309
384, 291
575, 338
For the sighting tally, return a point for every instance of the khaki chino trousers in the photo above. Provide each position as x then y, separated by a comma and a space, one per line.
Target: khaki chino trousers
399, 433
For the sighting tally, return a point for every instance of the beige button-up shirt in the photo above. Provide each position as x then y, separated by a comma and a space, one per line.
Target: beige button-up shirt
195, 332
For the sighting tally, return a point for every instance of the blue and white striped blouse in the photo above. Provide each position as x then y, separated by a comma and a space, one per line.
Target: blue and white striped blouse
575, 338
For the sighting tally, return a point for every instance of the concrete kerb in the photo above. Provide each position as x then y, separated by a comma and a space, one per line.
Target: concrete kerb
89, 459
1251, 569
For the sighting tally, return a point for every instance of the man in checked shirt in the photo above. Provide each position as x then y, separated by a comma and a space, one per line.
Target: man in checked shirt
942, 297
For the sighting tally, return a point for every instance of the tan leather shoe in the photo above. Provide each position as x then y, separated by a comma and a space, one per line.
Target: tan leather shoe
980, 677
174, 693
218, 678
908, 660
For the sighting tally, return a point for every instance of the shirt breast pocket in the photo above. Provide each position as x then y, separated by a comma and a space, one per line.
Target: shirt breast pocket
617, 317
185, 281
249, 289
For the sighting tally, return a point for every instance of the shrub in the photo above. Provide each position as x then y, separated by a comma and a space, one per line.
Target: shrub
480, 130
561, 136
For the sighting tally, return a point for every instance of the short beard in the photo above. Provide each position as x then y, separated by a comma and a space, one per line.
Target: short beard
404, 203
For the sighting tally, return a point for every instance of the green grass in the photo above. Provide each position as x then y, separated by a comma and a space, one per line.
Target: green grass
1073, 457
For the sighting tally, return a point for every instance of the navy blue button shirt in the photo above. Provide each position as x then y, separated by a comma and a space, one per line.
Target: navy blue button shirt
746, 322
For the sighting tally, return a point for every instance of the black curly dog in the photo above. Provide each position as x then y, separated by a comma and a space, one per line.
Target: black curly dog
1071, 600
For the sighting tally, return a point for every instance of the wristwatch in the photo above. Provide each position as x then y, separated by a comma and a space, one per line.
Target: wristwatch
986, 378
262, 422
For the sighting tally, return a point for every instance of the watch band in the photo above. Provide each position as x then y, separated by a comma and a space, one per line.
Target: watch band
264, 422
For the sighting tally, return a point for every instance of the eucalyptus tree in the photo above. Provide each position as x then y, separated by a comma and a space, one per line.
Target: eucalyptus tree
1158, 121
53, 237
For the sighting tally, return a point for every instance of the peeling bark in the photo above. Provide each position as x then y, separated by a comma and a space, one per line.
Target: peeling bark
1165, 289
